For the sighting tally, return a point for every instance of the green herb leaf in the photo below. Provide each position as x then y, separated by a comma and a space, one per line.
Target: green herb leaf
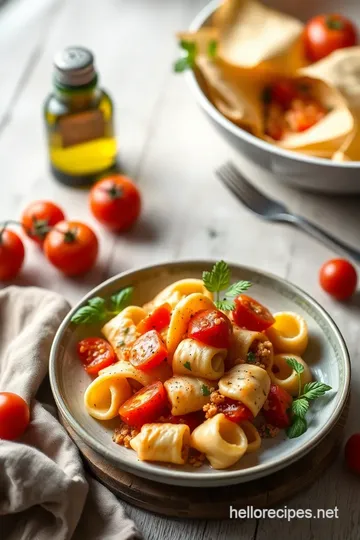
251, 357
212, 48
300, 407
205, 390
297, 428
121, 299
182, 64
97, 302
297, 367
88, 315
188, 46
187, 366
224, 305
315, 389
120, 343
238, 288
218, 279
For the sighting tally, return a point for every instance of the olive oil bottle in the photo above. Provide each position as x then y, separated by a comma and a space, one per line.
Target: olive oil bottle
79, 120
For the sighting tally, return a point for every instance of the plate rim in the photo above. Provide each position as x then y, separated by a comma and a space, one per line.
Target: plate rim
185, 478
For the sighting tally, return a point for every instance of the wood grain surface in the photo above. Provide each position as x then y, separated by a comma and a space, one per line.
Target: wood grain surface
171, 150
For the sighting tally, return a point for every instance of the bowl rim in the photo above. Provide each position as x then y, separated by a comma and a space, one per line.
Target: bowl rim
198, 478
216, 115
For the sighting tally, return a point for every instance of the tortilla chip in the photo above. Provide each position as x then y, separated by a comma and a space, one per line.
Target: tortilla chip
252, 35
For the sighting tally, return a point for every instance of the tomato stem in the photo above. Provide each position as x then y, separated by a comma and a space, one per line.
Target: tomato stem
4, 225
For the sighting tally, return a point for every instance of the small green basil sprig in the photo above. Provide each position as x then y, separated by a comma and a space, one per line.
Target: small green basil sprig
96, 310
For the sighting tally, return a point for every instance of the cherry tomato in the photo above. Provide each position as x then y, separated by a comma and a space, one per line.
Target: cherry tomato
12, 254
38, 217
211, 327
352, 453
251, 314
193, 420
235, 410
148, 351
14, 416
276, 406
157, 320
326, 33
338, 277
72, 247
96, 354
145, 406
304, 114
115, 202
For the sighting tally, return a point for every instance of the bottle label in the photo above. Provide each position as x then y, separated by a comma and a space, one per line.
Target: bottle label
83, 127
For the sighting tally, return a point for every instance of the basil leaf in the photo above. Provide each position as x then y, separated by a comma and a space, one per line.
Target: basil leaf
315, 389
97, 302
298, 427
300, 407
237, 288
182, 64
212, 48
88, 315
121, 299
299, 368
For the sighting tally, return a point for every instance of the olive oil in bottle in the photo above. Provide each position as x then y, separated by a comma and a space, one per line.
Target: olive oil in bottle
79, 120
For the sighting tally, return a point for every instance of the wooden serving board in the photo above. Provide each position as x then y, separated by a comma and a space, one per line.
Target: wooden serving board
201, 503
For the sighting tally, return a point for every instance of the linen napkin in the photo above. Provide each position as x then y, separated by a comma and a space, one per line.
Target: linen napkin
44, 491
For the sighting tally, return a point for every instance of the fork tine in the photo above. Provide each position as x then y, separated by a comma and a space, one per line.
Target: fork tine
234, 180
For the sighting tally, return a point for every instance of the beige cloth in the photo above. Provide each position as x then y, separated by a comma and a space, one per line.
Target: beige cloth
44, 492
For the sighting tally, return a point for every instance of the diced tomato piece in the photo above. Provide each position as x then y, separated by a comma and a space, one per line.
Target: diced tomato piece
148, 351
276, 407
251, 314
235, 410
283, 92
95, 354
211, 327
303, 115
157, 320
193, 420
145, 406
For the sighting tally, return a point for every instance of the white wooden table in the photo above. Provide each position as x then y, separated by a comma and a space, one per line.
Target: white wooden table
167, 145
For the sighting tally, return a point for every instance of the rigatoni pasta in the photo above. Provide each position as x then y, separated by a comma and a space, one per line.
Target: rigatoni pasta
199, 359
163, 442
187, 394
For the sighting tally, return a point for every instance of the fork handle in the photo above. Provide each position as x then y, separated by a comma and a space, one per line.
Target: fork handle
323, 236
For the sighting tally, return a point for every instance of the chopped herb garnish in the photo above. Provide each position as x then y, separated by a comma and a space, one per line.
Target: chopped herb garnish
300, 405
212, 48
217, 280
205, 390
187, 366
188, 60
251, 357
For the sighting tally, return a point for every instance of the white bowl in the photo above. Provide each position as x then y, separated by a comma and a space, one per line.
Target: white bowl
327, 356
292, 168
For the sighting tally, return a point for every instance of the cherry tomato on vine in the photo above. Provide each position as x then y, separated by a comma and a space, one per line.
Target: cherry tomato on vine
72, 247
115, 201
326, 33
338, 277
38, 217
12, 254
14, 416
211, 327
95, 354
251, 314
352, 453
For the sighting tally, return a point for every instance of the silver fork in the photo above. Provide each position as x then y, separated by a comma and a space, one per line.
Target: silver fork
271, 210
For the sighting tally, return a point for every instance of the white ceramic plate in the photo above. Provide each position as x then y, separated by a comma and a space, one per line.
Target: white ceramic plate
327, 356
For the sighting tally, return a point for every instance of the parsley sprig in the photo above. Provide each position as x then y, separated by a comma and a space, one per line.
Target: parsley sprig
96, 310
190, 50
218, 280
301, 404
